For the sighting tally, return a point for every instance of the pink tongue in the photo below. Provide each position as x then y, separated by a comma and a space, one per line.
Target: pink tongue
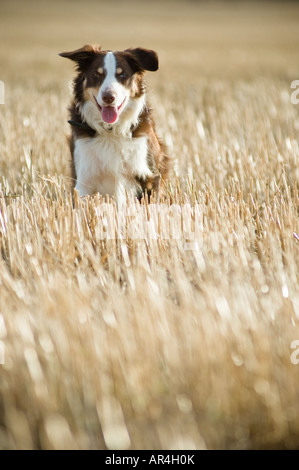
109, 114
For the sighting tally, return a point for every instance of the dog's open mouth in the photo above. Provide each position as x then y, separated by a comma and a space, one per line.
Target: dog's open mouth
110, 113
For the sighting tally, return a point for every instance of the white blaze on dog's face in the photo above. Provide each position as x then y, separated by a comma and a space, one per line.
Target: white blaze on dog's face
113, 95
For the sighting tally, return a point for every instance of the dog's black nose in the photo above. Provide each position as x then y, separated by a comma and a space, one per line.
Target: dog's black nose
108, 97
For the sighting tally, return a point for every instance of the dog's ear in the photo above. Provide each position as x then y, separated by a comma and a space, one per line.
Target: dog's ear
82, 56
143, 59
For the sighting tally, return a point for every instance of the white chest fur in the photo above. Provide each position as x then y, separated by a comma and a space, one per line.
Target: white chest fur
109, 163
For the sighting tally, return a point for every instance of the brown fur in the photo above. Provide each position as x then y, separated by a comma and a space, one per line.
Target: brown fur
158, 160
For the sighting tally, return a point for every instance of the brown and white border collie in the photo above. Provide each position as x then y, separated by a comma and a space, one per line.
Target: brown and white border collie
114, 146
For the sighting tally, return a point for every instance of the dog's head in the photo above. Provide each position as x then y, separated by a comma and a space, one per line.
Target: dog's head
109, 81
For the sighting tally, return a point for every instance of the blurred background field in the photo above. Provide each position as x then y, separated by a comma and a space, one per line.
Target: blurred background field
142, 344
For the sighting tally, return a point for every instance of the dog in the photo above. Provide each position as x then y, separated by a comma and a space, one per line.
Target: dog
114, 146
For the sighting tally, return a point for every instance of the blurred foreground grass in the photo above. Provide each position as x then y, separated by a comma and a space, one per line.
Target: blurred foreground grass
144, 343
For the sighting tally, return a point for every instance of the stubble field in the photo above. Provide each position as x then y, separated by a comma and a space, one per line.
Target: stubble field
150, 340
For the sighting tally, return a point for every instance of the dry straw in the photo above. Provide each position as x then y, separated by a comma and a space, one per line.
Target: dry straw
140, 341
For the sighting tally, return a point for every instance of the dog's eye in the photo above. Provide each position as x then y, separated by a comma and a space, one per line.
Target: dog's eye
123, 75
97, 74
